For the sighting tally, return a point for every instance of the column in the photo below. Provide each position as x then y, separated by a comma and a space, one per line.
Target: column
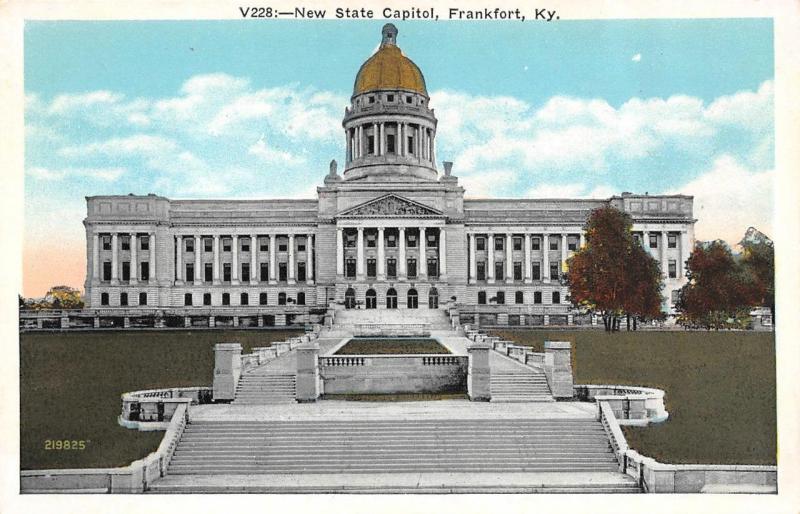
563, 252
419, 142
178, 259
114, 260
473, 266
253, 258
509, 260
339, 253
381, 256
442, 253
490, 260
198, 272
152, 244
684, 250
401, 130
546, 257
234, 259
133, 265
646, 241
582, 241
401, 254
273, 251
383, 138
433, 148
216, 259
360, 254
375, 140
664, 262
96, 256
422, 265
310, 259
291, 264
527, 265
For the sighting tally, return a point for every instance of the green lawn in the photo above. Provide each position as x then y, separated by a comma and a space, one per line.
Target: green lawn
720, 388
70, 387
387, 346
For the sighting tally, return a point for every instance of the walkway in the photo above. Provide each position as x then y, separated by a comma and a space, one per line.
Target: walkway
498, 362
287, 363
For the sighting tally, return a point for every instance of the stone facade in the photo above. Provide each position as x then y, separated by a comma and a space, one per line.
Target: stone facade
389, 232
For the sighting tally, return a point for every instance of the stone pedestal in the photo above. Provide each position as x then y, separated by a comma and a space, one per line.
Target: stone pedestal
236, 321
307, 383
227, 370
546, 319
479, 372
126, 322
187, 321
559, 373
280, 320
40, 323
211, 322
502, 319
96, 322
65, 322
260, 320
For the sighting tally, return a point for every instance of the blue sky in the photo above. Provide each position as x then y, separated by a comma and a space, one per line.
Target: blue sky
253, 109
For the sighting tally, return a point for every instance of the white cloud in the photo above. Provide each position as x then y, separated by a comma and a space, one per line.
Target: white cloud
487, 183
103, 174
273, 155
570, 191
636, 58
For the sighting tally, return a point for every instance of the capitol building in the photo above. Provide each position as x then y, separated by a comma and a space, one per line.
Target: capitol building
388, 230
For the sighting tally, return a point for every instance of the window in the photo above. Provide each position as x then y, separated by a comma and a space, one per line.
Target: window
480, 243
142, 298
206, 298
517, 271
537, 297
412, 299
125, 242
126, 270
350, 240
189, 272
499, 269
389, 143
675, 295
371, 240
226, 244
672, 269
301, 298
391, 298
572, 243
106, 242
103, 298
672, 241
144, 271
107, 271
371, 145
264, 271
226, 272
208, 244
536, 271
245, 272
536, 243
209, 272
554, 242
371, 99
433, 241
499, 243
391, 241
408, 99
481, 269
187, 299
637, 239
226, 299
245, 242
519, 297
556, 297
371, 268
123, 298
390, 98
412, 241
391, 268
262, 298
481, 297
283, 272
433, 267
301, 244
281, 298
517, 243
283, 245
188, 244
144, 242
554, 270
263, 244
350, 268
244, 299
301, 271
501, 298
411, 267
653, 240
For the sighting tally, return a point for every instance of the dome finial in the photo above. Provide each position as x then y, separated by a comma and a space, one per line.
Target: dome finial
389, 33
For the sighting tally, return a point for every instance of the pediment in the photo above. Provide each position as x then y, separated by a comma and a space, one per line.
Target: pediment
390, 205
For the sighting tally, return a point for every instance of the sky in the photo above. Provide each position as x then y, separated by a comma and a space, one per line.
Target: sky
253, 109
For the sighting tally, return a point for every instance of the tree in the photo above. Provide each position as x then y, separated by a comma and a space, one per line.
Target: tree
62, 297
612, 274
719, 292
758, 257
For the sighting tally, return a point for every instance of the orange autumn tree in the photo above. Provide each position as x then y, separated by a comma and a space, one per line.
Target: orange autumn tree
613, 275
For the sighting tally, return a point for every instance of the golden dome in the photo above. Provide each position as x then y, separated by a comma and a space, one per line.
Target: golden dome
388, 68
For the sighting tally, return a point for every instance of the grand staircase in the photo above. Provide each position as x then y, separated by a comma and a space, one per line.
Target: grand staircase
519, 386
263, 388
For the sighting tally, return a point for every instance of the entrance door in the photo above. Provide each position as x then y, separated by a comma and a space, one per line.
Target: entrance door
371, 299
350, 298
433, 299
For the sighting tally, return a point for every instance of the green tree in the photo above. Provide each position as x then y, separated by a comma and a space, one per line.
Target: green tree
612, 274
63, 297
758, 258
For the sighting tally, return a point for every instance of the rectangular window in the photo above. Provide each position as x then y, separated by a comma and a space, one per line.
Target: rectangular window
390, 98
499, 269
433, 241
519, 297
672, 269
371, 145
301, 244
371, 268
675, 295
481, 270
517, 271
412, 241
653, 240
107, 271
144, 271
433, 268
226, 299
263, 244
188, 244
103, 298
245, 272
283, 245
187, 299
301, 298
123, 298
301, 271
206, 298
264, 271
536, 243
391, 241
245, 242
537, 297
208, 244
190, 272
125, 242
142, 298
226, 244
209, 272
572, 243
350, 240
350, 268
637, 239
411, 267
672, 241
536, 271
281, 298
144, 242
262, 298
499, 243
371, 240
410, 144
480, 243
244, 299
554, 242
481, 297
283, 272
389, 143
391, 268
501, 298
517, 243
106, 242
554, 270
126, 270
226, 272
556, 297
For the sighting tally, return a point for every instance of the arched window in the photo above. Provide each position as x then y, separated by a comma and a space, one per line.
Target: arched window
350, 298
281, 298
433, 298
371, 299
519, 297
413, 299
391, 298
